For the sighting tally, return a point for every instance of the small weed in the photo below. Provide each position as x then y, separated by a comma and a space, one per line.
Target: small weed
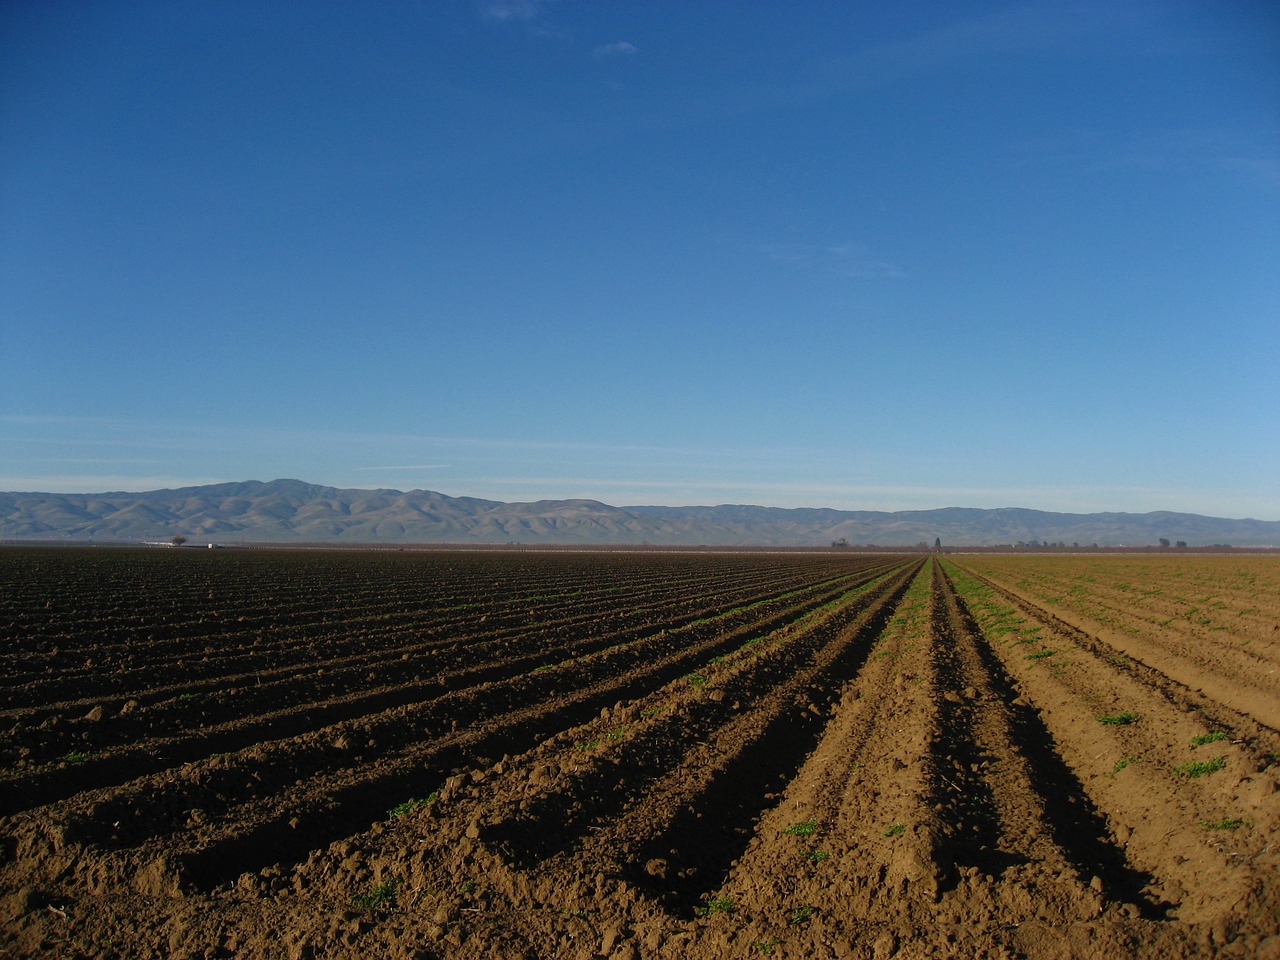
1041, 654
801, 914
381, 896
896, 830
1226, 823
466, 886
766, 946
817, 856
410, 805
1122, 763
545, 666
715, 905
75, 756
589, 744
805, 828
1198, 768
696, 679
1204, 738
1119, 719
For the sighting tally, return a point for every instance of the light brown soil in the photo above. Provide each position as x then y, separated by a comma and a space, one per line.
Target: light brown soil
523, 755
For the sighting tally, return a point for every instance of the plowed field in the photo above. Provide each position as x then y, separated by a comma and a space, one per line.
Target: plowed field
596, 755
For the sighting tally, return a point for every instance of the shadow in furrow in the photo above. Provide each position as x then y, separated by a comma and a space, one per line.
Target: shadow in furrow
516, 727
962, 795
1077, 827
353, 807
155, 755
707, 834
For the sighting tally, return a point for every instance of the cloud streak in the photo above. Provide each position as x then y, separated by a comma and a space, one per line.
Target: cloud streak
620, 49
840, 260
520, 469
504, 10
407, 467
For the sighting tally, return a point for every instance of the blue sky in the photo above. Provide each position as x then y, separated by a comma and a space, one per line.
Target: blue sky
867, 256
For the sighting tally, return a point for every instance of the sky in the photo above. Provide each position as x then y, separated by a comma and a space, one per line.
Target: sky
854, 255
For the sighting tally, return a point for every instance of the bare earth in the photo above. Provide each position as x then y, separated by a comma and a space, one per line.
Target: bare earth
631, 755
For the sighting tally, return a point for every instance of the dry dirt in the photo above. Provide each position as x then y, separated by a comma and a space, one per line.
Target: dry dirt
593, 755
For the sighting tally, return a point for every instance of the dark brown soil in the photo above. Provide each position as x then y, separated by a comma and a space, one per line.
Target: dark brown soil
598, 755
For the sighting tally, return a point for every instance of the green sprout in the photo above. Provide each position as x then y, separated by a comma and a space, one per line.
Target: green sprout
381, 896
715, 905
410, 805
1199, 768
801, 914
1226, 823
1204, 738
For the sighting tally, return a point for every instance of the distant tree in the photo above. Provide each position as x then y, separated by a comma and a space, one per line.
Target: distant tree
1181, 543
1164, 541
937, 543
178, 540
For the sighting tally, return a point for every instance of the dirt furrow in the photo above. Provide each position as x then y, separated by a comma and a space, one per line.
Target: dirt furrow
1260, 739
516, 728
607, 756
1236, 679
844, 855
223, 840
60, 692
1189, 807
700, 707
1012, 808
677, 844
141, 755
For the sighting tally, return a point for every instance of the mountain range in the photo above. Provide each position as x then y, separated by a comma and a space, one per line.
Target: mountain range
298, 512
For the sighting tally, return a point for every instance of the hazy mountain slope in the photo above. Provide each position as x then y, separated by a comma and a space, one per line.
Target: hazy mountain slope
294, 511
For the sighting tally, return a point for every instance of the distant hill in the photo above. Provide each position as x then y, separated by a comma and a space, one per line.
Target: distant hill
294, 511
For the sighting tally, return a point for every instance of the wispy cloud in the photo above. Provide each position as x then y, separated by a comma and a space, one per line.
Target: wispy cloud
1265, 170
524, 469
620, 49
840, 259
1246, 154
101, 461
1019, 30
509, 9
413, 466
102, 483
